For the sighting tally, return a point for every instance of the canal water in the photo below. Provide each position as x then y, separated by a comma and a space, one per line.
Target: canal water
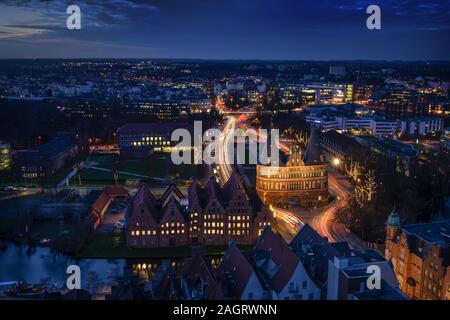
20, 262
34, 264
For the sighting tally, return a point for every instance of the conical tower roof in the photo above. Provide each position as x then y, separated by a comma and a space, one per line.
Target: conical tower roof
393, 219
313, 155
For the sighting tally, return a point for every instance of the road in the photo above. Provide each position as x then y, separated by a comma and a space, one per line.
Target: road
289, 221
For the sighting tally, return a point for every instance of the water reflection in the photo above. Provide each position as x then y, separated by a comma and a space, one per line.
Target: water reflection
34, 264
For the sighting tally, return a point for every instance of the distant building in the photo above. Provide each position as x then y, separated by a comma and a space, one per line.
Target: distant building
337, 71
160, 109
302, 181
396, 102
340, 146
48, 158
312, 93
5, 157
420, 126
376, 126
420, 255
141, 139
405, 156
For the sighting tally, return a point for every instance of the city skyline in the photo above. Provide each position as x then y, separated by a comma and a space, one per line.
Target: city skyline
250, 30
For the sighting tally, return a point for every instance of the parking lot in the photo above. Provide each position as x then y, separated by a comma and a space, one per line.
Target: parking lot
113, 216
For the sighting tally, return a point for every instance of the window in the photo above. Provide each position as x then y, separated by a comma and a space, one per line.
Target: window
304, 284
311, 296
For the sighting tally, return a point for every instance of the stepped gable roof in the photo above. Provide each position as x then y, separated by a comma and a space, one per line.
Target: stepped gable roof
313, 155
212, 190
295, 157
171, 200
142, 197
232, 187
157, 207
205, 193
272, 246
234, 271
172, 190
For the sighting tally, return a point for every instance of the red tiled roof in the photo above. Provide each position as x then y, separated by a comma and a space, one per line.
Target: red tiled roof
101, 202
106, 196
116, 192
281, 254
234, 270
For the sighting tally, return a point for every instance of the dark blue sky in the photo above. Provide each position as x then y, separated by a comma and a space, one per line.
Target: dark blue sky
226, 29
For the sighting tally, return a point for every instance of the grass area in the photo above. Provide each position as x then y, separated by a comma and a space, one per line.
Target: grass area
58, 176
103, 247
93, 177
157, 165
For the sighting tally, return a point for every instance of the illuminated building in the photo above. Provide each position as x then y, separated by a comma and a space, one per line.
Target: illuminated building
395, 103
420, 126
5, 157
420, 255
48, 158
159, 109
211, 215
141, 139
303, 94
302, 181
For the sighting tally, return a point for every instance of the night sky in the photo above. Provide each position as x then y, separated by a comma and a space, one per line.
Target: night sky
226, 29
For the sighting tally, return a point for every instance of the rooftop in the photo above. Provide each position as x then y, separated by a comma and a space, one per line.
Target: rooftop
140, 128
436, 233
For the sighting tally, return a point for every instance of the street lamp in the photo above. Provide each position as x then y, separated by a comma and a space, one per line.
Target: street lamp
336, 161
